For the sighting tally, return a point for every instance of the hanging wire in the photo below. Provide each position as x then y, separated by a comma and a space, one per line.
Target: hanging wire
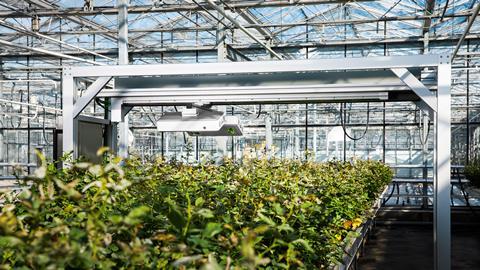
100, 103
342, 121
11, 107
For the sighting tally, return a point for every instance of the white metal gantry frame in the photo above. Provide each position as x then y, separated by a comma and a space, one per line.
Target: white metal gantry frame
436, 100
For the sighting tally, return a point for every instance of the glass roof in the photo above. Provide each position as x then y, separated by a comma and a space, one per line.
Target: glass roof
186, 25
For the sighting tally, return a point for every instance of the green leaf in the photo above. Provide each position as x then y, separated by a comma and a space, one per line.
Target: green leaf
304, 243
199, 202
10, 241
116, 219
134, 217
266, 219
212, 229
285, 228
175, 216
206, 213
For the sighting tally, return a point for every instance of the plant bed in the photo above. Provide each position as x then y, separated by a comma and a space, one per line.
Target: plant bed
472, 172
270, 214
353, 247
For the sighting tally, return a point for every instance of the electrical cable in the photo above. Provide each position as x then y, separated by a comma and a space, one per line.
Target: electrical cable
100, 103
342, 121
389, 195
259, 110
374, 145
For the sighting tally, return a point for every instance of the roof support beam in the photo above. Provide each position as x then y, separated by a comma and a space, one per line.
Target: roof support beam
429, 8
284, 26
250, 18
242, 4
76, 19
246, 31
250, 47
470, 23
41, 36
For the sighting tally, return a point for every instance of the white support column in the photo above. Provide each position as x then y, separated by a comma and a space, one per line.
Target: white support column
122, 6
69, 126
122, 60
441, 204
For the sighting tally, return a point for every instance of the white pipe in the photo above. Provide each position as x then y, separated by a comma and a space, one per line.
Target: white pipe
30, 80
57, 54
30, 104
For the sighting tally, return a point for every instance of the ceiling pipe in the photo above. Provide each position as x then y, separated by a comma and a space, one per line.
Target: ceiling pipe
43, 51
245, 30
30, 104
470, 23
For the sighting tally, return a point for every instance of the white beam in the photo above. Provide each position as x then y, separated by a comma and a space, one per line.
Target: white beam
382, 62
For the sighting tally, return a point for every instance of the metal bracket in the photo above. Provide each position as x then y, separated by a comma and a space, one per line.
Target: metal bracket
417, 86
91, 92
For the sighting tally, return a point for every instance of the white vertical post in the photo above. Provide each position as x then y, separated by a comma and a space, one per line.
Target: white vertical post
441, 204
123, 60
69, 127
122, 6
297, 135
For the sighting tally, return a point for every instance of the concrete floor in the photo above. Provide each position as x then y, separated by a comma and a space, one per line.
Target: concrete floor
410, 247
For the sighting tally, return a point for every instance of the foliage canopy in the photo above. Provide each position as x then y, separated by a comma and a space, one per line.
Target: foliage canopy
261, 213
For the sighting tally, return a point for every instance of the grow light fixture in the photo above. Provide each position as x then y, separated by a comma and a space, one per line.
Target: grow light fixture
200, 122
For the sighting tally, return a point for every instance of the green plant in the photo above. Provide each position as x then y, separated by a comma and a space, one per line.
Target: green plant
472, 172
262, 213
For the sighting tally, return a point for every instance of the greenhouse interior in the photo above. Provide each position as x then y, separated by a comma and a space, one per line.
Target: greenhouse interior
239, 134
